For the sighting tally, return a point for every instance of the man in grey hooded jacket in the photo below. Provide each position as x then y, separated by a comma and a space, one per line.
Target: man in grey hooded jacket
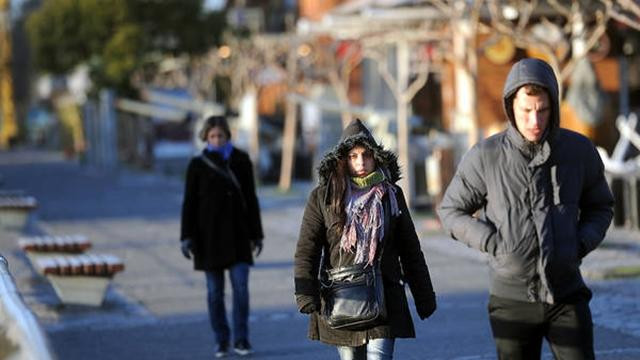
545, 205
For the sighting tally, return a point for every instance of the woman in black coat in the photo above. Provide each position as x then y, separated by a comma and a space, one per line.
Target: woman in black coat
220, 227
358, 215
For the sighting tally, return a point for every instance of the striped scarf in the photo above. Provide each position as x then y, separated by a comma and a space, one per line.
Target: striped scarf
364, 226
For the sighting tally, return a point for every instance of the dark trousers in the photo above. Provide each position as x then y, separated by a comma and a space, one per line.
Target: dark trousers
518, 328
239, 274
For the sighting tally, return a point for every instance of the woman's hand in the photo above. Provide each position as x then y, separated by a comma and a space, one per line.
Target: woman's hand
256, 247
427, 307
186, 246
308, 304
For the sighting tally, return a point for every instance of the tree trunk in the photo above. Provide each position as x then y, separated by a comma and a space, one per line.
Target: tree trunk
402, 68
464, 118
288, 146
250, 123
290, 122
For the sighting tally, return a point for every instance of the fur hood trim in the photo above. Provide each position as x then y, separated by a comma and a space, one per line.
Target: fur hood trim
357, 134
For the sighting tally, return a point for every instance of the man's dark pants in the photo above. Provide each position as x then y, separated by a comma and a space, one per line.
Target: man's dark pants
519, 327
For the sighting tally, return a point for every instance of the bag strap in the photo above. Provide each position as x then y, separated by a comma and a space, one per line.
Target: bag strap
228, 174
378, 260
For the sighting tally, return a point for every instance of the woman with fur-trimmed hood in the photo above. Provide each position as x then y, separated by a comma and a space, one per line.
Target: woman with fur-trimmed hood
358, 215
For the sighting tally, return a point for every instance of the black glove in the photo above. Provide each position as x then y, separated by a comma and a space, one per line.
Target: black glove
256, 246
186, 246
427, 307
308, 304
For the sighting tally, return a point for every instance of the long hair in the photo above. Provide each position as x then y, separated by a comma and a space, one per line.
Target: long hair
337, 188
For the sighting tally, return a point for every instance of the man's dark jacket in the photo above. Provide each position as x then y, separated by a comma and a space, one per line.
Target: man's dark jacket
220, 219
546, 205
402, 259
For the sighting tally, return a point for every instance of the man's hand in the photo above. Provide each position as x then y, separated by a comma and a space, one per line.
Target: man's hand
186, 246
256, 247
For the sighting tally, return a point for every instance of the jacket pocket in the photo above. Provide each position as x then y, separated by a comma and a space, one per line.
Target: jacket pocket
495, 216
511, 266
565, 234
507, 238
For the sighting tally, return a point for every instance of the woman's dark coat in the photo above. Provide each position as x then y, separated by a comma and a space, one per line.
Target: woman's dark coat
402, 258
221, 221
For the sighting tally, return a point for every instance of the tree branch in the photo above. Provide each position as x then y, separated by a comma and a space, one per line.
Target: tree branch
383, 70
590, 43
418, 83
563, 10
626, 19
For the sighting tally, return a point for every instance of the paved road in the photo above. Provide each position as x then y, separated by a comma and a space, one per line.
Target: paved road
156, 309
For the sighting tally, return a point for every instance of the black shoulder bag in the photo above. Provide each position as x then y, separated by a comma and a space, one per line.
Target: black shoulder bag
353, 297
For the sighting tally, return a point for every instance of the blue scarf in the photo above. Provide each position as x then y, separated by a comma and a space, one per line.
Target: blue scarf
224, 151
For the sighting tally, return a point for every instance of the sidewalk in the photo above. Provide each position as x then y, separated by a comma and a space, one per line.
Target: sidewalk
135, 216
617, 257
158, 302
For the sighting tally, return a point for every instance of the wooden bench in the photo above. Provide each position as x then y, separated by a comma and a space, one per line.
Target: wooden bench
57, 244
77, 277
15, 208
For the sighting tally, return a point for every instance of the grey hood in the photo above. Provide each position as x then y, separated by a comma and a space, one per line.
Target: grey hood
524, 72
531, 71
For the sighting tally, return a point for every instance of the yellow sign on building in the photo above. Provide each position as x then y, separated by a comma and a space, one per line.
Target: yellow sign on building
8, 126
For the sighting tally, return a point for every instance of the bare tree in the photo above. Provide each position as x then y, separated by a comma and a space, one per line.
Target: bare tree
340, 59
624, 11
403, 86
582, 24
290, 125
248, 63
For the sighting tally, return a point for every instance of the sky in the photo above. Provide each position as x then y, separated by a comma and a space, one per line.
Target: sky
214, 4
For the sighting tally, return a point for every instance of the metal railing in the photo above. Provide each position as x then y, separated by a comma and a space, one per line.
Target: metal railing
21, 336
623, 171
